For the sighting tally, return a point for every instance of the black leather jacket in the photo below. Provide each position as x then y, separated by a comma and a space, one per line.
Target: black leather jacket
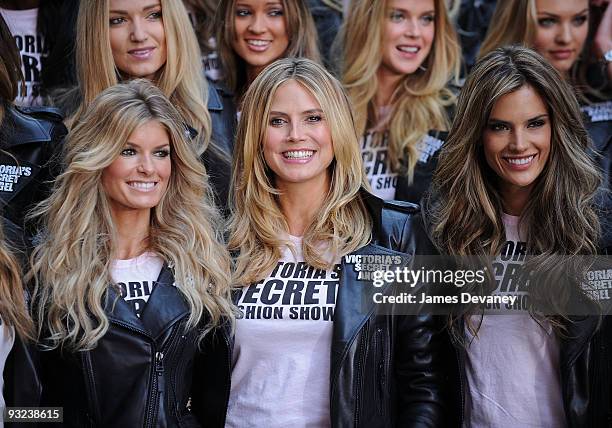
30, 159
140, 372
385, 370
599, 126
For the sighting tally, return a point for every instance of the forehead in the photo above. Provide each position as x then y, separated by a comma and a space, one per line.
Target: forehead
151, 133
414, 6
133, 5
292, 95
258, 3
561, 7
522, 104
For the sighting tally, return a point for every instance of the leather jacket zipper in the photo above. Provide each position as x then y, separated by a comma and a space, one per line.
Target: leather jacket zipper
361, 357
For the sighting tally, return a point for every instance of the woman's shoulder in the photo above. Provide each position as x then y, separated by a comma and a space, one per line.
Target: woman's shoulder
23, 125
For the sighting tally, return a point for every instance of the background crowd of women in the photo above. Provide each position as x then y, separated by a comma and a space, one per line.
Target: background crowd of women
181, 182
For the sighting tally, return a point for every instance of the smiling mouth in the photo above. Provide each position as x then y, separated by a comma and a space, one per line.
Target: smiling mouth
298, 154
143, 53
142, 186
408, 49
525, 160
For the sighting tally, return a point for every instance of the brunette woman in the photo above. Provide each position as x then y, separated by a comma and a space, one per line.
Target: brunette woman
399, 58
254, 33
130, 272
564, 32
517, 185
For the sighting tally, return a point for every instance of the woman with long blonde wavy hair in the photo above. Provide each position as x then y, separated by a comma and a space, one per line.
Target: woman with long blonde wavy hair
119, 40
305, 351
130, 272
516, 187
399, 58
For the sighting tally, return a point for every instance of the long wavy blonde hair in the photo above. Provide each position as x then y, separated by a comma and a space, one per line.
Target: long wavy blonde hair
560, 217
72, 263
258, 228
181, 79
301, 32
420, 100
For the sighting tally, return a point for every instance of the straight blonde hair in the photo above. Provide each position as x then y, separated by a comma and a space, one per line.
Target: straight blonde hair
181, 79
258, 228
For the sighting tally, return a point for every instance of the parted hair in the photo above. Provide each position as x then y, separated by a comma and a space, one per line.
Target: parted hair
560, 217
181, 79
258, 228
13, 311
71, 264
301, 32
420, 99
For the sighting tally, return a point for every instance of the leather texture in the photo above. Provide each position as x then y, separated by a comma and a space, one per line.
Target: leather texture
385, 370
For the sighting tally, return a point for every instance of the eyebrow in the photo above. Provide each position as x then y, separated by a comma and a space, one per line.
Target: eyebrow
557, 16
124, 12
427, 12
494, 120
314, 110
136, 146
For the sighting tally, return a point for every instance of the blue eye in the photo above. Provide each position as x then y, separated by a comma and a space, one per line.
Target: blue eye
428, 19
277, 121
396, 16
242, 12
155, 15
276, 12
547, 22
116, 21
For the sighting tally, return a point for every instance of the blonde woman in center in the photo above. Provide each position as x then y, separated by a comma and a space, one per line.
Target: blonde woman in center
399, 58
310, 349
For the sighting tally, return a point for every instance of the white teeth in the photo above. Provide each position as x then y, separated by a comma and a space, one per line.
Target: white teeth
520, 161
142, 185
258, 42
409, 49
298, 154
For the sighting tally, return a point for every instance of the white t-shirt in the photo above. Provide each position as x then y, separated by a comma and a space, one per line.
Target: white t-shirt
281, 359
136, 277
32, 46
512, 366
7, 339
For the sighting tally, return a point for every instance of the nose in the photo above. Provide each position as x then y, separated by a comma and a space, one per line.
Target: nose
295, 133
413, 28
257, 24
146, 165
518, 141
564, 35
138, 33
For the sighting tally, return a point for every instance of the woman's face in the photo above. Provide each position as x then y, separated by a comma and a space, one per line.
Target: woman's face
408, 34
260, 32
517, 140
298, 145
138, 178
561, 31
137, 37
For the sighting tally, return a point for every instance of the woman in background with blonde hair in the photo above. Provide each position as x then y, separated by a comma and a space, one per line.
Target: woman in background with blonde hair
399, 58
119, 40
130, 271
310, 348
254, 33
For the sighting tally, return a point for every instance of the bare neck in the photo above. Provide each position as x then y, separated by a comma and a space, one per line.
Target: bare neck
133, 228
300, 203
387, 84
515, 199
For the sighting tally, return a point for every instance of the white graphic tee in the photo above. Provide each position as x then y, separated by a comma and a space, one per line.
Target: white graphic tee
31, 46
281, 359
136, 278
512, 365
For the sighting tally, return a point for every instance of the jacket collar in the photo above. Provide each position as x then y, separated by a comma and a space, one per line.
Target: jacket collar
166, 305
214, 99
19, 128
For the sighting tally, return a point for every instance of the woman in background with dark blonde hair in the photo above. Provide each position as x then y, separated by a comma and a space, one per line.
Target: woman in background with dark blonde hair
254, 33
130, 271
399, 58
326, 357
517, 185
